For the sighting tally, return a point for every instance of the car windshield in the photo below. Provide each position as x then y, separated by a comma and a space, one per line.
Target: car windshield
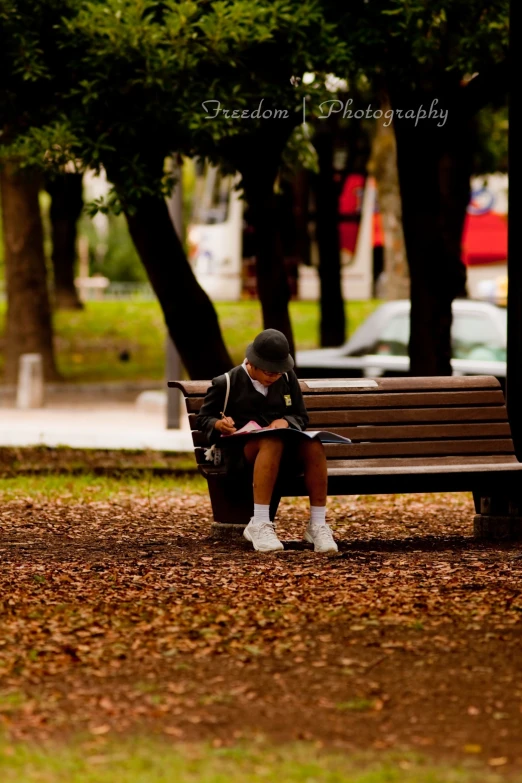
473, 336
394, 337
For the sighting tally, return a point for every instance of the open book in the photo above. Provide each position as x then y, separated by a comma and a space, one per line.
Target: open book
253, 428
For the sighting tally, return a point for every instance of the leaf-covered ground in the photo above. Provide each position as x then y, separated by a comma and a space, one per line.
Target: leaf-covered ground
124, 615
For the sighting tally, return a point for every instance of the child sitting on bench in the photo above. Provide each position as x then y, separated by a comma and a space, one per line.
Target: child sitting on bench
265, 389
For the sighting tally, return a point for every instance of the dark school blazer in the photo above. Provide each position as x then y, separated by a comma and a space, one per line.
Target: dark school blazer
283, 401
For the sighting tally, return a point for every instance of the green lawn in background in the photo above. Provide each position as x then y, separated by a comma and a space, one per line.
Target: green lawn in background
91, 488
153, 761
124, 340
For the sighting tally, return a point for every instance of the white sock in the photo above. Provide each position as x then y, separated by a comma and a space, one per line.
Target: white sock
317, 515
261, 514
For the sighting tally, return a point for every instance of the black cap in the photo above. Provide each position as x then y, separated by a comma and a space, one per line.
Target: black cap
270, 352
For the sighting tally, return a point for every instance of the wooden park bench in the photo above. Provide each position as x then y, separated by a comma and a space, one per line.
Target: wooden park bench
444, 434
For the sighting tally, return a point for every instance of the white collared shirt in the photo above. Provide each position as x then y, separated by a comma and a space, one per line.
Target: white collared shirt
258, 386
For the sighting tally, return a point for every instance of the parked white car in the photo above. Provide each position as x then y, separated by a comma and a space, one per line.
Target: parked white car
379, 347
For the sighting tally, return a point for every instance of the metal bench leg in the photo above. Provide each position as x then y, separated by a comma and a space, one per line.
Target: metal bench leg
500, 517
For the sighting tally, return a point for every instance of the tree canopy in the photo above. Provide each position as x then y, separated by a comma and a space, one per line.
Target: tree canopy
129, 82
126, 83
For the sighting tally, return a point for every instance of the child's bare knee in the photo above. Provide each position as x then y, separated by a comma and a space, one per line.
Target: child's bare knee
312, 448
274, 445
316, 445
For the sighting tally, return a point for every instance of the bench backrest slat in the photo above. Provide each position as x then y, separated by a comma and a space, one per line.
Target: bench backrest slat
389, 400
396, 416
401, 399
424, 432
357, 386
447, 415
411, 433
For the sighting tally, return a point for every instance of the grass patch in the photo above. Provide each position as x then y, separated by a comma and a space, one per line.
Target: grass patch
151, 761
64, 459
88, 487
118, 341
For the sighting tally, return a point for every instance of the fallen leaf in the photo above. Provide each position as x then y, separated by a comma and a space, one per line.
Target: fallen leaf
498, 762
98, 730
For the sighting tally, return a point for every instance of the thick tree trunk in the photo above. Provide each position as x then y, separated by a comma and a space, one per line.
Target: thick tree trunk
434, 166
258, 160
272, 283
396, 279
28, 326
333, 321
189, 314
300, 200
66, 207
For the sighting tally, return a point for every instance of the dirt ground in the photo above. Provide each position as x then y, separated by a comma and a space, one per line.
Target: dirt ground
126, 616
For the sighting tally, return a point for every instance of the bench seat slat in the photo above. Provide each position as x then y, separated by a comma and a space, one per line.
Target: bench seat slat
420, 448
453, 449
421, 469
422, 465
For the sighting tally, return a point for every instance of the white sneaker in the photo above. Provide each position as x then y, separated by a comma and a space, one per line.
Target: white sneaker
321, 537
262, 536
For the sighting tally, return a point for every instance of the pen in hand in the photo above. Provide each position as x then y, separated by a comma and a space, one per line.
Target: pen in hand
226, 424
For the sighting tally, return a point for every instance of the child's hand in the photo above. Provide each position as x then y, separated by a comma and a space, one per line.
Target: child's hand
278, 424
225, 425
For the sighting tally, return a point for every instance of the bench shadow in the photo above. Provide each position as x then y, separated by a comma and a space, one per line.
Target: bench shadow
413, 544
183, 546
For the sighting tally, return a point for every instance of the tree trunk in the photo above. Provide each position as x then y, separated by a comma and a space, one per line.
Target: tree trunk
189, 314
333, 321
66, 207
396, 280
301, 194
28, 324
258, 159
434, 164
272, 283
